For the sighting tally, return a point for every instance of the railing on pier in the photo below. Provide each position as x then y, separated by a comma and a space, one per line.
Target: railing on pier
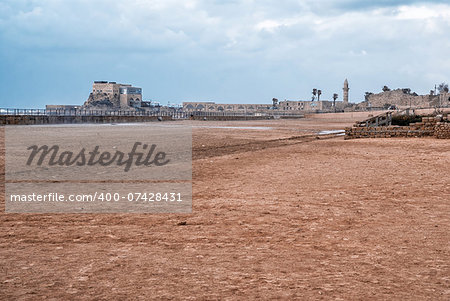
242, 114
175, 114
77, 112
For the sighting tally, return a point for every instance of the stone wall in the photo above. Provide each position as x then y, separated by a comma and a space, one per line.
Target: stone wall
290, 106
62, 107
305, 105
430, 126
442, 130
48, 119
230, 118
106, 87
403, 98
127, 100
218, 107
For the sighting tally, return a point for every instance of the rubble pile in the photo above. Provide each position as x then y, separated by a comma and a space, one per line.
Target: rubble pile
438, 126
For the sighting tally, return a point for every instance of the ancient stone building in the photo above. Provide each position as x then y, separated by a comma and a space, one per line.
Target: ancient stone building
111, 95
287, 106
130, 96
404, 98
308, 106
291, 106
218, 107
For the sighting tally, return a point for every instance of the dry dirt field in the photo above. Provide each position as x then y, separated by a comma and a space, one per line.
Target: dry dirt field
277, 214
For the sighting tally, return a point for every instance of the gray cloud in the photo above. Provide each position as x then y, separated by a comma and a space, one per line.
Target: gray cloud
240, 50
365, 4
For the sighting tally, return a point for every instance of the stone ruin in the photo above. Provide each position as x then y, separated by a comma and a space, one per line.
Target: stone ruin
103, 101
404, 98
381, 127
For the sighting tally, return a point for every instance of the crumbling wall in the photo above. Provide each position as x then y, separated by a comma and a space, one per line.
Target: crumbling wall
102, 101
402, 98
438, 127
231, 117
442, 130
54, 119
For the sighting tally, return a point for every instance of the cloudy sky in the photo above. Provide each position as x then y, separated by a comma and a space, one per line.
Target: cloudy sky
219, 50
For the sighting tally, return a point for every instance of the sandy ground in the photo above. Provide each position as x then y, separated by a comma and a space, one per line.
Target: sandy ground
277, 214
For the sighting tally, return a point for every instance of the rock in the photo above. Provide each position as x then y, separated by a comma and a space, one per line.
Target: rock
101, 101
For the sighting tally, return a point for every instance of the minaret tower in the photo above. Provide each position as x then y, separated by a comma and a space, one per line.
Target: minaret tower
346, 88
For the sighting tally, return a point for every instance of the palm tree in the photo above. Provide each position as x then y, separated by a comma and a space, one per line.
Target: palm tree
335, 96
443, 87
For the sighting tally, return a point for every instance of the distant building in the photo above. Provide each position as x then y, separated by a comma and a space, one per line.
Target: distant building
62, 107
306, 105
292, 106
345, 89
404, 98
288, 106
119, 95
219, 107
